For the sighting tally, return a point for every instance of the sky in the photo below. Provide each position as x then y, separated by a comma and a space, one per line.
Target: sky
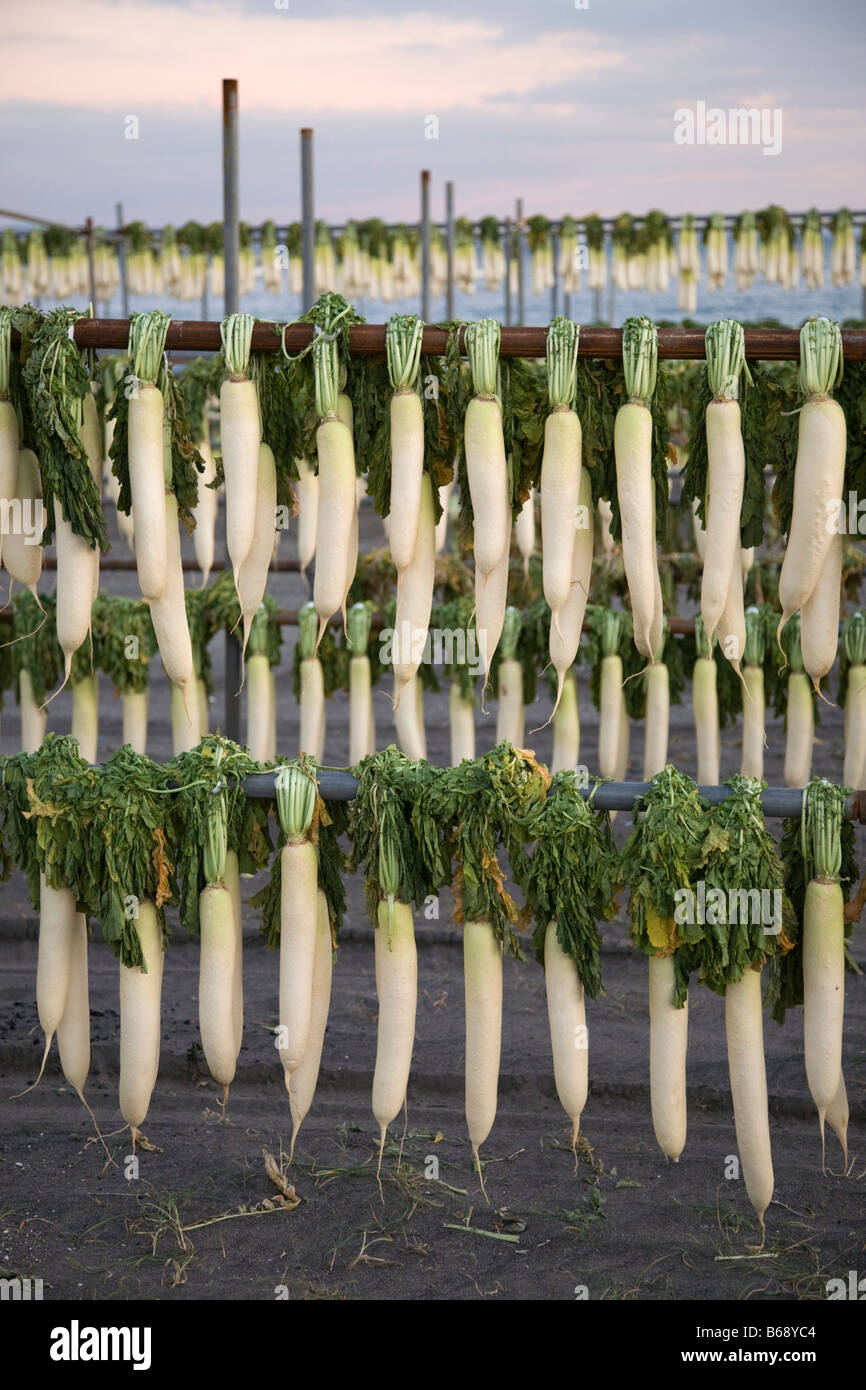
567, 104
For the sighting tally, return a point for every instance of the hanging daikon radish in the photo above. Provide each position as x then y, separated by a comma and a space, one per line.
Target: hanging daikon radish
731, 630
22, 551
461, 712
206, 508
33, 717
301, 1082
73, 1030
218, 966
172, 633
561, 469
819, 473
565, 639
484, 445
661, 859
415, 596
491, 598
362, 724
307, 488
510, 723
347, 415
726, 470
261, 707
140, 1014
311, 736
252, 577
752, 761
854, 653
442, 524
566, 728
657, 713
633, 446
567, 887
296, 807
403, 336
146, 444
611, 706
410, 735
819, 616
524, 528
799, 712
705, 708
240, 437
823, 944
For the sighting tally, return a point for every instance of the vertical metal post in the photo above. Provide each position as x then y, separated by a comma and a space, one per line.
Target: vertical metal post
121, 261
231, 237
308, 221
555, 286
91, 267
518, 237
597, 307
449, 250
611, 291
425, 245
231, 252
566, 304
508, 250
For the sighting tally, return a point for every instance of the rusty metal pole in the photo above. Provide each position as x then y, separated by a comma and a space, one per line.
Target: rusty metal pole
308, 221
231, 251
425, 245
121, 260
91, 267
449, 250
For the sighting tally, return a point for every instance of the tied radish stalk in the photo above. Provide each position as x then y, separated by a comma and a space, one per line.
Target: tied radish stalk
312, 695
296, 798
240, 437
565, 637
799, 712
561, 468
403, 336
218, 967
819, 473
657, 715
484, 444
362, 724
612, 710
705, 708
726, 472
823, 945
752, 761
854, 653
302, 1081
566, 727
633, 445
147, 478
415, 596
510, 723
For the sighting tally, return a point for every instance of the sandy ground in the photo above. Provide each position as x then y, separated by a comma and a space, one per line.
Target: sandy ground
198, 1221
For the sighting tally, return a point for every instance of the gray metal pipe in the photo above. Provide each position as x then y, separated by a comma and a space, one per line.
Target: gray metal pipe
449, 250
425, 245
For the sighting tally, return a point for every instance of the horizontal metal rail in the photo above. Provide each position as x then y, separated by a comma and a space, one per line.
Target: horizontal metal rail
189, 335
